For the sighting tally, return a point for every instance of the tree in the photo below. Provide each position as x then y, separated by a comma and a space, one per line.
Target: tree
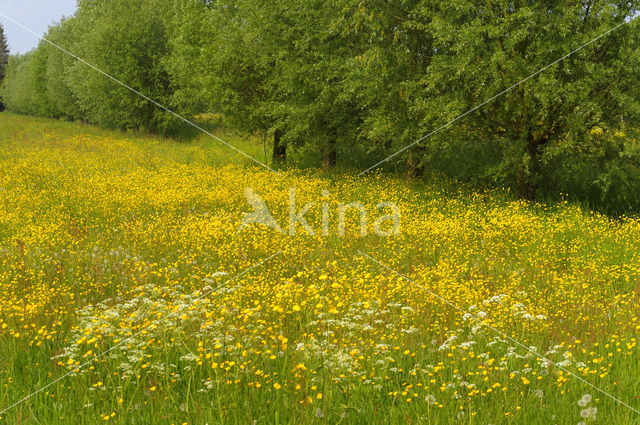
481, 48
127, 39
18, 92
314, 55
428, 62
221, 62
216, 66
275, 67
58, 65
396, 50
304, 57
4, 58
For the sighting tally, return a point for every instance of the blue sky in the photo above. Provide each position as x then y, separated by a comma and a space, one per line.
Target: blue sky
36, 15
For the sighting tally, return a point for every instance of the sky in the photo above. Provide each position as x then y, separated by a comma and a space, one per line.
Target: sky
36, 15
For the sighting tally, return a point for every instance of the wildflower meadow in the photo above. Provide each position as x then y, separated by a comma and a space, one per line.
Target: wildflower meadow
131, 294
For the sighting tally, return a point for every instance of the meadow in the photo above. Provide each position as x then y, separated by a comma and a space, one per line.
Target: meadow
126, 282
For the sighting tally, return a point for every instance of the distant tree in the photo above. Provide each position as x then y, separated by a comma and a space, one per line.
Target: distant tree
4, 58
38, 69
221, 63
58, 65
18, 90
4, 52
37, 82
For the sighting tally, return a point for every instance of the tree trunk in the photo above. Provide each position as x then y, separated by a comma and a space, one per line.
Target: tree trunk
279, 149
529, 177
415, 168
329, 155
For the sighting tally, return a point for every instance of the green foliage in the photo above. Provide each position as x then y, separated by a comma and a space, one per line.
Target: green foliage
58, 68
19, 93
427, 63
4, 53
601, 170
126, 39
479, 49
35, 82
216, 67
367, 77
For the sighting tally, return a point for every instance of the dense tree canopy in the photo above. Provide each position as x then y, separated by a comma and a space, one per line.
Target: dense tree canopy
342, 76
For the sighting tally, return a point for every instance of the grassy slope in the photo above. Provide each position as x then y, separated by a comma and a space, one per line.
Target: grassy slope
103, 233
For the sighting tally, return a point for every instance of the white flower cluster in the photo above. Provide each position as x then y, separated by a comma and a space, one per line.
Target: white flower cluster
129, 330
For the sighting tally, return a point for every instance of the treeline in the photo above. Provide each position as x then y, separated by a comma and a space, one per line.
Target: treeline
332, 76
